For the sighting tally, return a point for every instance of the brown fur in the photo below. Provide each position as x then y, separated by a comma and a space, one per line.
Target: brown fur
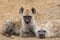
11, 27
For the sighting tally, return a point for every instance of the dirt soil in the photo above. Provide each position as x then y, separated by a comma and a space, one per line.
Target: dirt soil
45, 10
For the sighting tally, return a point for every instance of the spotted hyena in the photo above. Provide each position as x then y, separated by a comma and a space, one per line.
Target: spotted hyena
11, 27
50, 30
28, 22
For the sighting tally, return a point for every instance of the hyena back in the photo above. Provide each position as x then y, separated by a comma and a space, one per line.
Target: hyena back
10, 28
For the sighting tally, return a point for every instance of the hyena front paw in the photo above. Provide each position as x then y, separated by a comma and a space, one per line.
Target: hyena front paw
7, 34
27, 34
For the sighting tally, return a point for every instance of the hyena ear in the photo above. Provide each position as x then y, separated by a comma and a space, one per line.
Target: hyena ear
21, 10
33, 10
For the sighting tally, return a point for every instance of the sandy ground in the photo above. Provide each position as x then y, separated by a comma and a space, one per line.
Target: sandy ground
20, 38
45, 10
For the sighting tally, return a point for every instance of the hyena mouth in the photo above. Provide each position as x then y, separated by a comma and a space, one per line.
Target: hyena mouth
27, 19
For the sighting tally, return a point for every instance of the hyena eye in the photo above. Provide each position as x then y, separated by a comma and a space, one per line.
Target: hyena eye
33, 10
21, 10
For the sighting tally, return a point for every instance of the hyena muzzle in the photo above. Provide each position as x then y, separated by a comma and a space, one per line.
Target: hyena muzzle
27, 29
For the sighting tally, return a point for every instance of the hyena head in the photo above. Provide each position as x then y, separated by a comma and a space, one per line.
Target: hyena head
27, 14
41, 32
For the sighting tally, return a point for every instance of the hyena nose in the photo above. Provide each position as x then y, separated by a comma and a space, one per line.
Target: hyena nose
41, 33
27, 19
